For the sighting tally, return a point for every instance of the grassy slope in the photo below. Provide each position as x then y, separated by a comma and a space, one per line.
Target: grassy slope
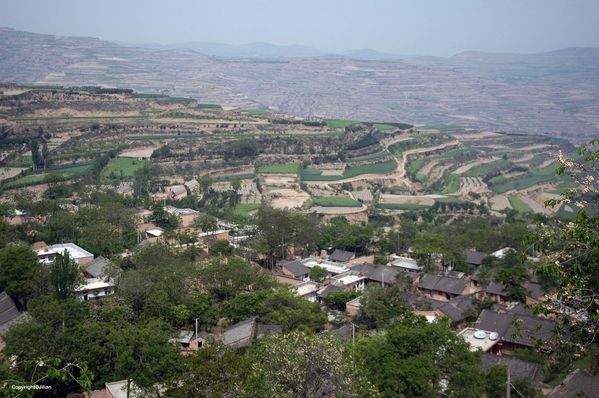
287, 168
335, 201
127, 166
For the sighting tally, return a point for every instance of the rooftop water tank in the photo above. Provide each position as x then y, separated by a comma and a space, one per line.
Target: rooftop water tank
480, 334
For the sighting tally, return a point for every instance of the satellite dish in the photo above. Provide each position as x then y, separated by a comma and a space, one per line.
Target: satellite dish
493, 336
480, 334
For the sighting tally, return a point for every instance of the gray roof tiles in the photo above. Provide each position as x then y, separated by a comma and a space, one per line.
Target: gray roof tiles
516, 328
8, 312
445, 284
474, 257
341, 256
579, 383
98, 267
517, 367
296, 268
237, 334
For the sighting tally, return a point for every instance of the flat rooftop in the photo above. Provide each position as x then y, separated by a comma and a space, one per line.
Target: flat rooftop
73, 250
479, 339
349, 279
332, 268
306, 288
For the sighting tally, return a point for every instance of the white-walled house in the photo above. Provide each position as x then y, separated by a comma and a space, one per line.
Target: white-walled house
94, 288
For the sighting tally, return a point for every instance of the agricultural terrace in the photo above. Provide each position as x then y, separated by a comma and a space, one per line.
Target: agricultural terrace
519, 205
335, 201
340, 123
533, 177
48, 176
122, 167
286, 168
314, 174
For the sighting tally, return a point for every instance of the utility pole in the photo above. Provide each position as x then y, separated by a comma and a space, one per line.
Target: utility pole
196, 333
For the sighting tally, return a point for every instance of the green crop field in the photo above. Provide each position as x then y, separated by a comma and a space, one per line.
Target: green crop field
519, 205
483, 169
533, 177
52, 175
23, 161
244, 209
370, 157
335, 201
452, 184
286, 168
122, 167
339, 123
255, 112
416, 164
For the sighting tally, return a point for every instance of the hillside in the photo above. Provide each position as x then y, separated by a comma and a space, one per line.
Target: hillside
328, 166
465, 90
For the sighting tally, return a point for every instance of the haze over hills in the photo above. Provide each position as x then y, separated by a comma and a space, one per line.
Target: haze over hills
551, 93
249, 50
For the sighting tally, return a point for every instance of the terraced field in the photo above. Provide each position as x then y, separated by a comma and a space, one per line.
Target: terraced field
288, 168
122, 167
313, 174
335, 201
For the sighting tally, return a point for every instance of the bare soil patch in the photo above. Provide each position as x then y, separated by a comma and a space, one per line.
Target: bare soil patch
499, 202
406, 199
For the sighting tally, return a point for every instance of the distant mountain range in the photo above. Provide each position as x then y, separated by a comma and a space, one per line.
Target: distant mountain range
268, 51
553, 93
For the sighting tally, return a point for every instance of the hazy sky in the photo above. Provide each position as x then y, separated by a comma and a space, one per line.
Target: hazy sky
427, 27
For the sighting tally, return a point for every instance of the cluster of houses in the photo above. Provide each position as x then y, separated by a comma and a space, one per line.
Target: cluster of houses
496, 331
506, 327
177, 191
96, 272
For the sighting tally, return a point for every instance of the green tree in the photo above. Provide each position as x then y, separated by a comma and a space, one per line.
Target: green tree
382, 306
45, 154
279, 230
318, 274
18, 266
278, 307
211, 372
35, 153
414, 355
571, 256
337, 300
221, 247
225, 278
163, 218
205, 181
207, 223
64, 276
304, 365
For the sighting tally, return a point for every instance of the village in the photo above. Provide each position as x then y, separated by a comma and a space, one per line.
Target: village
483, 311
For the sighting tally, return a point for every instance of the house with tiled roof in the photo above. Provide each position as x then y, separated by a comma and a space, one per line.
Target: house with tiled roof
474, 258
296, 269
516, 329
579, 383
442, 287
